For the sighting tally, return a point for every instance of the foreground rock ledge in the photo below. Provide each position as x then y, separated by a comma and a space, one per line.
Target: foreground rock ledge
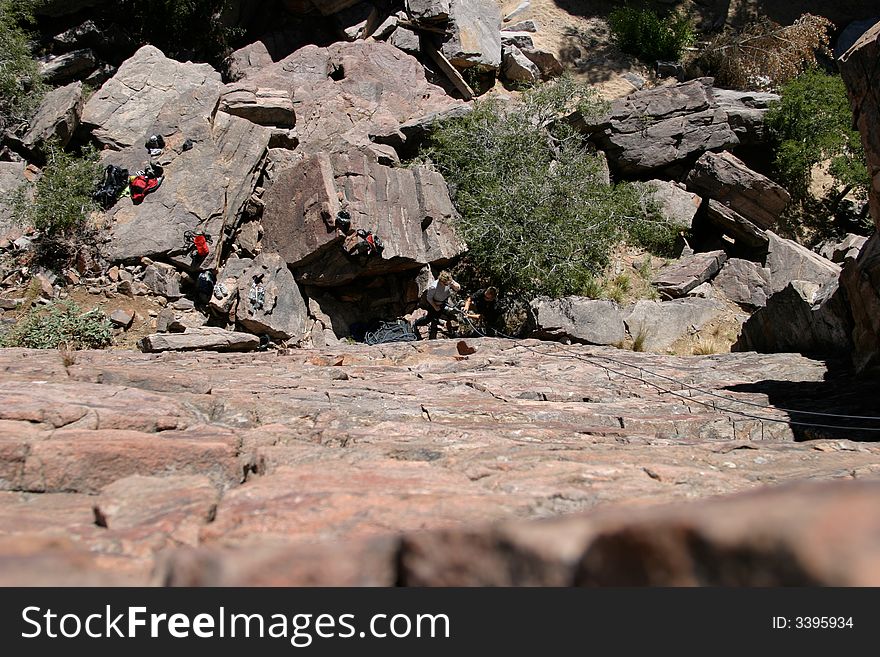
358, 465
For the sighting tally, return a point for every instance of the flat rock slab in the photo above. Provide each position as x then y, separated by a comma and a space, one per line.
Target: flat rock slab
215, 339
680, 277
581, 319
659, 324
250, 458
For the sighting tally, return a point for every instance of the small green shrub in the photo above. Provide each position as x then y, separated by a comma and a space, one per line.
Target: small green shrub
641, 32
534, 209
62, 199
63, 325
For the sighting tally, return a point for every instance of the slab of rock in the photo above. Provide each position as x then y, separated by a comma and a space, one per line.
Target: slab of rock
520, 40
163, 280
408, 208
476, 34
516, 67
659, 324
248, 60
406, 40
678, 278
676, 203
726, 179
270, 301
545, 60
801, 318
69, 66
657, 128
428, 10
269, 107
248, 238
207, 338
579, 319
349, 90
175, 505
57, 118
737, 226
789, 261
122, 318
744, 282
838, 251
205, 187
522, 26
745, 113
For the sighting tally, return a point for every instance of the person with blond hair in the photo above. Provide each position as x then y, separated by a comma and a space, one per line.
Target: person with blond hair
434, 300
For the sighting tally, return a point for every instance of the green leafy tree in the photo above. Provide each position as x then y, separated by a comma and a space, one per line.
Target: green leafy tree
641, 32
536, 212
62, 197
21, 87
812, 123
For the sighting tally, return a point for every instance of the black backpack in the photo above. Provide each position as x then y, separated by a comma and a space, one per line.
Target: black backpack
115, 180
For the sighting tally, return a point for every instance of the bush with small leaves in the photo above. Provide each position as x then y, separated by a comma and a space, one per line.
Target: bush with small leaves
62, 196
62, 325
534, 209
641, 32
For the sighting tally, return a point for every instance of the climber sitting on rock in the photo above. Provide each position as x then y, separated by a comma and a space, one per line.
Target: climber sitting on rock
434, 300
481, 308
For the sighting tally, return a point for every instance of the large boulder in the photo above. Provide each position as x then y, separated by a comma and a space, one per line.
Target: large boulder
475, 38
655, 129
659, 324
347, 91
579, 319
744, 282
269, 301
211, 161
69, 66
676, 203
57, 118
428, 10
516, 67
408, 208
789, 261
680, 277
726, 179
745, 113
801, 318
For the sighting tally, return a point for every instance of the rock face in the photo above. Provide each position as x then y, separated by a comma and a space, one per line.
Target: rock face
349, 90
205, 187
659, 324
408, 208
745, 113
579, 319
476, 34
744, 282
58, 117
319, 459
655, 129
801, 318
858, 66
724, 178
269, 301
680, 277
